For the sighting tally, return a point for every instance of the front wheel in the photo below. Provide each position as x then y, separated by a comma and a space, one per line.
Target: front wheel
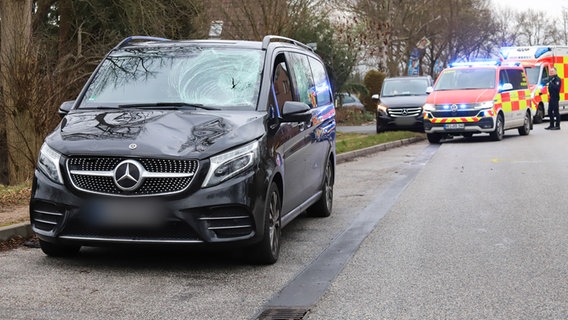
434, 137
499, 132
526, 128
268, 249
380, 126
58, 250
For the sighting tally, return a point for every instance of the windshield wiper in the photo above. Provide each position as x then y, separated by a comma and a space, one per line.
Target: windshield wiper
166, 105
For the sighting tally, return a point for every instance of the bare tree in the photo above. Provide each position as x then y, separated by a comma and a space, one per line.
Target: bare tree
16, 18
535, 28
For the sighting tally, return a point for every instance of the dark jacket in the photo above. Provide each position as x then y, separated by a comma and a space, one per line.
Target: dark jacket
554, 89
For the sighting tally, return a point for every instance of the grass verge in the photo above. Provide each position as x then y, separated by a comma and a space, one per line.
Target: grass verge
346, 142
18, 195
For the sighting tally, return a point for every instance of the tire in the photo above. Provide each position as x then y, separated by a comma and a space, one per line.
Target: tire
324, 206
380, 127
526, 128
434, 138
58, 250
268, 249
499, 132
539, 116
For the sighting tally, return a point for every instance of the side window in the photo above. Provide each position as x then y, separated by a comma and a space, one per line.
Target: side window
281, 82
302, 79
517, 79
544, 77
502, 78
322, 86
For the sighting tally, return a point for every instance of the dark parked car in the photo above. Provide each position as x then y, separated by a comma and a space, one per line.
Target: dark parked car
191, 143
347, 100
400, 103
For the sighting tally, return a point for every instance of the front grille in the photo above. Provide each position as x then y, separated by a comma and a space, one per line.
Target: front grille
172, 231
454, 114
405, 112
163, 176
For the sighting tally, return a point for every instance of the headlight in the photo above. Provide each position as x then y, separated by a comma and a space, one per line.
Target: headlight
382, 107
229, 164
484, 105
48, 163
429, 107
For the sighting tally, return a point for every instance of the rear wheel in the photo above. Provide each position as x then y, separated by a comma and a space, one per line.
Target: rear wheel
526, 128
324, 206
434, 137
58, 250
499, 132
268, 249
539, 116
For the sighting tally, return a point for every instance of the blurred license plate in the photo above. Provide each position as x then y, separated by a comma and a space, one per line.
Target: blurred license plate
454, 126
126, 213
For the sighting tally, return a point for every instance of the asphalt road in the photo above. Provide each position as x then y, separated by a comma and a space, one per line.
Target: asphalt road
466, 230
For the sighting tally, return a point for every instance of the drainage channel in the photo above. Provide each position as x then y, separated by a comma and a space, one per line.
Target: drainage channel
294, 301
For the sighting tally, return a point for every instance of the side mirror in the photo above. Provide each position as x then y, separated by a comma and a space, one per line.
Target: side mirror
429, 90
65, 108
507, 87
294, 111
375, 97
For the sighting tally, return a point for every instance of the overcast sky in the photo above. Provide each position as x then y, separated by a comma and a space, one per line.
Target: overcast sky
550, 6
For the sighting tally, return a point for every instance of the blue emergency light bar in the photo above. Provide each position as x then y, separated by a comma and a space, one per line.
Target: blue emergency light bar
488, 63
540, 51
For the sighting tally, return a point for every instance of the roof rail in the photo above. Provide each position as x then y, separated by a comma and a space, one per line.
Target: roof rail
138, 38
267, 39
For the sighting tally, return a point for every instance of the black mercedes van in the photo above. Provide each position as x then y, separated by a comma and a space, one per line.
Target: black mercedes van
198, 142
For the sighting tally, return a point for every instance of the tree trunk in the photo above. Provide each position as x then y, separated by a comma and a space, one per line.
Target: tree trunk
16, 16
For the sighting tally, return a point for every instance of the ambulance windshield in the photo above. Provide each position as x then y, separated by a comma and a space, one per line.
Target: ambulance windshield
466, 79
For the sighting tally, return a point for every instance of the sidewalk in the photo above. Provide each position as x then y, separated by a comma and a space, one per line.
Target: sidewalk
24, 229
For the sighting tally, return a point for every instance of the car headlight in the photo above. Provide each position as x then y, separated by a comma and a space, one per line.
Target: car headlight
229, 164
484, 105
382, 108
429, 107
48, 163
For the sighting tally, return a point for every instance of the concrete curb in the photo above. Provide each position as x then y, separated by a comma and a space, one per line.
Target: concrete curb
25, 230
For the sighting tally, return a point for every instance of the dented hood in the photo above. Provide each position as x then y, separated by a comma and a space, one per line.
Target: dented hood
154, 133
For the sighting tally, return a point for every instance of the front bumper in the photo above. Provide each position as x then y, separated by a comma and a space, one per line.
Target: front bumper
413, 123
226, 213
484, 125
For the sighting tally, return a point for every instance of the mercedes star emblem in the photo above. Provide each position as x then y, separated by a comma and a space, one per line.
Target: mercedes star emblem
128, 175
132, 146
454, 107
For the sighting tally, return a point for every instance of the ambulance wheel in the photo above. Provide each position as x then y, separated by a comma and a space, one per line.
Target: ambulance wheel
526, 128
499, 132
434, 138
539, 116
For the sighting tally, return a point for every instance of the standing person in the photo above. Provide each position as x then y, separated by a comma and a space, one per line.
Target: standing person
554, 91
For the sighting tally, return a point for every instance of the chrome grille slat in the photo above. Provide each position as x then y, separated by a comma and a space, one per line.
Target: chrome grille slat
161, 176
230, 227
57, 214
46, 222
410, 111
